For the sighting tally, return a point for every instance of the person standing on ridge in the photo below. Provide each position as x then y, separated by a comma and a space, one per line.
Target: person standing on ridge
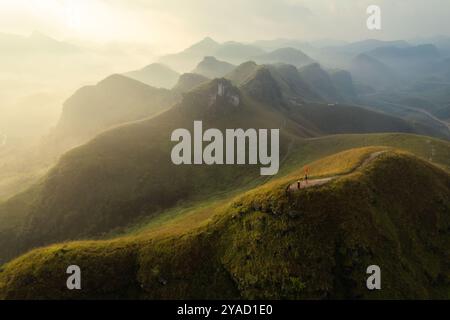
306, 175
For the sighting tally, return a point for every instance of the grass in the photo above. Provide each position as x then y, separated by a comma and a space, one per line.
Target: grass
266, 244
184, 218
315, 148
124, 179
64, 193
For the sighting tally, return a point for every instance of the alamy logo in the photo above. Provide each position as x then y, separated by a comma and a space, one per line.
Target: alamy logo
374, 19
74, 280
237, 141
374, 280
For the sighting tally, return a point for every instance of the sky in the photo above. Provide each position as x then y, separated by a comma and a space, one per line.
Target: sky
174, 24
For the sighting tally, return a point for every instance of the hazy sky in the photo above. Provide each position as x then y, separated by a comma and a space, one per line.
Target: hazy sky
174, 24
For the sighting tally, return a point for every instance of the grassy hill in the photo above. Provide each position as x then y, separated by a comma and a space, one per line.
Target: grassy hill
392, 211
334, 155
129, 174
141, 227
125, 174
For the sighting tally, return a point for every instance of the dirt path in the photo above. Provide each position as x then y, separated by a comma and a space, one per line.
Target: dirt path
302, 184
310, 183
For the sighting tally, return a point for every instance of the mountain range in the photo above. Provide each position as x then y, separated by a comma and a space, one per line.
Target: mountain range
378, 159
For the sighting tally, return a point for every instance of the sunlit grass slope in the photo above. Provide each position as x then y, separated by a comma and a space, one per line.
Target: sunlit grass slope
125, 174
393, 211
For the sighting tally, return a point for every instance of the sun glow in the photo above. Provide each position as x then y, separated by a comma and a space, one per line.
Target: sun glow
62, 18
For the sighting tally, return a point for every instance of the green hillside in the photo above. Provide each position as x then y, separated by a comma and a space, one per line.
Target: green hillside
125, 174
129, 174
334, 154
270, 244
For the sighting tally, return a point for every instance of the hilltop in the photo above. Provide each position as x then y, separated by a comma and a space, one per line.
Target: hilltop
319, 240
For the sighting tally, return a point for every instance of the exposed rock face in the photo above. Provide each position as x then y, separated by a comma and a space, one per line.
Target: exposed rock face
227, 91
213, 99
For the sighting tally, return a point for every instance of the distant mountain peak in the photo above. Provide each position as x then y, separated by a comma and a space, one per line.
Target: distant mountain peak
242, 73
208, 40
363, 56
287, 55
157, 65
212, 68
287, 49
248, 63
156, 75
115, 78
313, 66
189, 81
205, 45
263, 87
